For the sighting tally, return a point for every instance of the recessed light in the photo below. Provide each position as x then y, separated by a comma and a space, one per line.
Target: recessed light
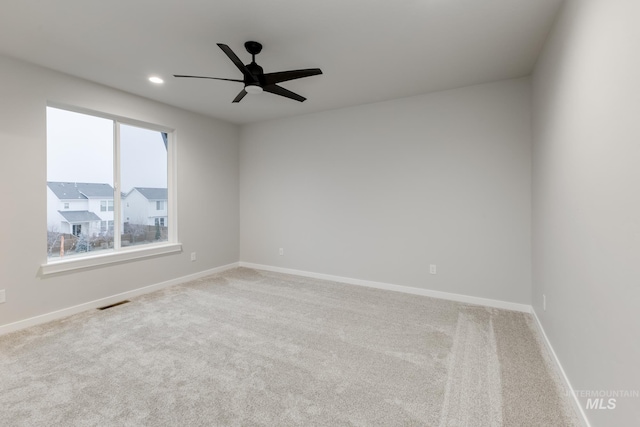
156, 80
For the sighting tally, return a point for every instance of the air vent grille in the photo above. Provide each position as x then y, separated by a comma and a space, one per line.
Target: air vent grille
113, 305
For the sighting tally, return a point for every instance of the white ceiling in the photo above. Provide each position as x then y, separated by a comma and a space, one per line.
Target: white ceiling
369, 50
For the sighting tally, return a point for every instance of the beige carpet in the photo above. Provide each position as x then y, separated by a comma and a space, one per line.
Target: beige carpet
252, 348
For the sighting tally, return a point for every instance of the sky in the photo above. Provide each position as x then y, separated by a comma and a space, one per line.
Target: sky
80, 149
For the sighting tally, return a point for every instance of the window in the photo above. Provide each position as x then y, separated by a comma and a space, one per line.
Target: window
106, 226
106, 206
112, 168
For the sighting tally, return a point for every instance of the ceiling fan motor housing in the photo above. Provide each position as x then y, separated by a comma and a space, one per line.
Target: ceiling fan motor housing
256, 71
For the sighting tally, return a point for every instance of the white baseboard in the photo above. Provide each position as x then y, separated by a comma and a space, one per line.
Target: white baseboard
398, 288
565, 379
48, 317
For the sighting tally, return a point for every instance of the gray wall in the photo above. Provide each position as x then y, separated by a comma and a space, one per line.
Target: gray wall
586, 199
378, 192
207, 192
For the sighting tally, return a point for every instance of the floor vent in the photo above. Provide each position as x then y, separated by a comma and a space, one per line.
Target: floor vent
114, 305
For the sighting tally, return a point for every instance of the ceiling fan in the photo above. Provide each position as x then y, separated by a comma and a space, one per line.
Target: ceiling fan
254, 78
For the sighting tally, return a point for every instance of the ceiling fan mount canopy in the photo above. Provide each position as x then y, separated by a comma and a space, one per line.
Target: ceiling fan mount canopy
254, 78
253, 48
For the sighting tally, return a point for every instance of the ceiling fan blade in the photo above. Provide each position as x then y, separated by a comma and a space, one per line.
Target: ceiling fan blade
275, 89
234, 58
212, 78
240, 96
283, 76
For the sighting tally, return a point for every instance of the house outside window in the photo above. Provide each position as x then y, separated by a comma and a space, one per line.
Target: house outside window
160, 205
66, 205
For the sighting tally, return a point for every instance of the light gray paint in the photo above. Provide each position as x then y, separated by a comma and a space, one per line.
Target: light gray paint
207, 192
378, 192
369, 50
586, 199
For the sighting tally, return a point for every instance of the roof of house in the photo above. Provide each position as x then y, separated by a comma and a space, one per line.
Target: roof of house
79, 216
151, 193
80, 190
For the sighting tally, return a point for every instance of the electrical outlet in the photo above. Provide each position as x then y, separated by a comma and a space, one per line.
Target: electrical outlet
193, 256
3, 296
432, 269
281, 251
544, 302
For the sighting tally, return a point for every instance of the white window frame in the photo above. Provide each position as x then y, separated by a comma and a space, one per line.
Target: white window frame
122, 254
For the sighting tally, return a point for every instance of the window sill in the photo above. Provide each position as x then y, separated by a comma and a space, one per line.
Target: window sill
92, 261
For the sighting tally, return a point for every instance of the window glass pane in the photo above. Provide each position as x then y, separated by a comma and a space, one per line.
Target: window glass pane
143, 170
79, 178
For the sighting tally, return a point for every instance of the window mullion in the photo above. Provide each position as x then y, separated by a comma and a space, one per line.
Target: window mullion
117, 220
172, 212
